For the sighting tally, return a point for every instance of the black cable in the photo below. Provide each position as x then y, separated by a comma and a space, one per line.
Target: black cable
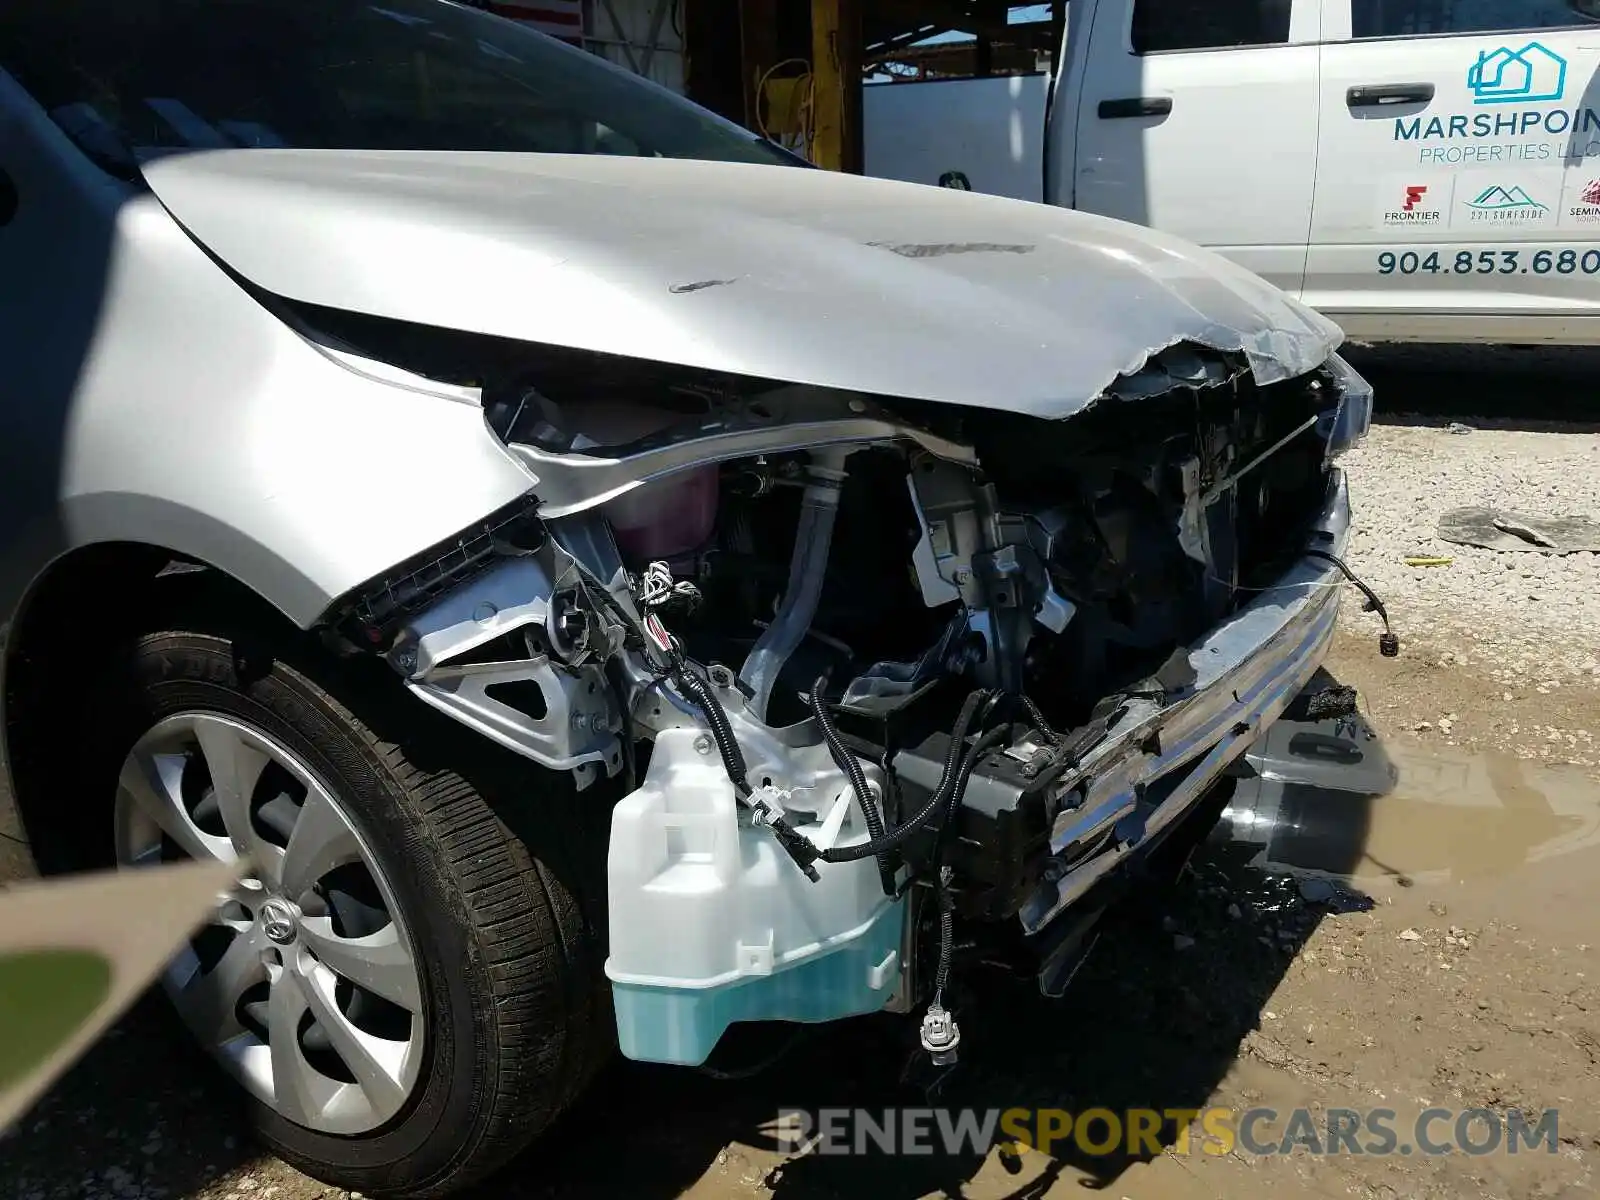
1373, 603
942, 874
952, 782
1388, 643
953, 768
969, 763
1036, 715
594, 588
944, 1027
698, 693
851, 766
947, 935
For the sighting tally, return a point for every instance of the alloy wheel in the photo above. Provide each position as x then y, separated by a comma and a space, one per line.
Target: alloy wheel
304, 985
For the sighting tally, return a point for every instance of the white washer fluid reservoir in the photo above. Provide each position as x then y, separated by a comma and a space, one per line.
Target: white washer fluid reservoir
711, 922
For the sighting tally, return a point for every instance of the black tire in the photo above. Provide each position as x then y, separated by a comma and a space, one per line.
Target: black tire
508, 925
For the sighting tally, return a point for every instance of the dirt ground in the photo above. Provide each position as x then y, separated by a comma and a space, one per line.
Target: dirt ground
1455, 962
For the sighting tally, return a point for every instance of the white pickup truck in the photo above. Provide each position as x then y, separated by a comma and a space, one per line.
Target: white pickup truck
1415, 169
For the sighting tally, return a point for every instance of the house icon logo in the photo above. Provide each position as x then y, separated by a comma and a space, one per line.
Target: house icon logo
1524, 76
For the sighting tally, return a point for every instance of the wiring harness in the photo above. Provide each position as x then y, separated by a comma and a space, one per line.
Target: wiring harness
940, 1035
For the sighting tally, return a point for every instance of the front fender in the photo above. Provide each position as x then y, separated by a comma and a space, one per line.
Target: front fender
204, 424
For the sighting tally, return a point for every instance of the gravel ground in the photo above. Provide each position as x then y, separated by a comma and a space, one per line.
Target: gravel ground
1502, 648
1534, 615
1458, 964
1525, 626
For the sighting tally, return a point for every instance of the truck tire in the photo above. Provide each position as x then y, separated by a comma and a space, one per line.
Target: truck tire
407, 990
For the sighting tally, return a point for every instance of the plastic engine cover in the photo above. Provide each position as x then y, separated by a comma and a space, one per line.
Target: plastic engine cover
712, 923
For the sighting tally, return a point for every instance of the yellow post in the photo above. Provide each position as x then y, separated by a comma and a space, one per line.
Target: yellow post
827, 76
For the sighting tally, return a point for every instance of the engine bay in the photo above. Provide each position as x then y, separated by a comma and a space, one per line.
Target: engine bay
857, 669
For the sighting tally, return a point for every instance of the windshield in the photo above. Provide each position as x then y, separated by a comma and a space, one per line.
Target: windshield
133, 77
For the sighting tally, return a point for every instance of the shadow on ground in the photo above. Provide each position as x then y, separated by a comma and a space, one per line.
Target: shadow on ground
1145, 1025
1507, 387
1154, 1020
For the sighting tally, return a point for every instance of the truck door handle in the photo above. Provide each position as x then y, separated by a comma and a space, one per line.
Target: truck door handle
1135, 106
1378, 95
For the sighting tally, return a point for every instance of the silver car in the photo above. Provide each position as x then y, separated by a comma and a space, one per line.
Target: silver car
602, 579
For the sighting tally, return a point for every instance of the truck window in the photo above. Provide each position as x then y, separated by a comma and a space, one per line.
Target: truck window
1420, 18
1165, 25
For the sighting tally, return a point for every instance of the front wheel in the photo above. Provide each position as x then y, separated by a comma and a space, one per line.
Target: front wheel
405, 991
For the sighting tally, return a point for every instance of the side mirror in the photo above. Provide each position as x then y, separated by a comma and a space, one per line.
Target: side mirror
957, 180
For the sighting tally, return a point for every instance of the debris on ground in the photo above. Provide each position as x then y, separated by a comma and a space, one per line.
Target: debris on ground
1504, 530
1507, 640
1337, 700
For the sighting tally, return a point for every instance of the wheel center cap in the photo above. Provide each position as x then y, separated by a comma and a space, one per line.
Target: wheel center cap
280, 921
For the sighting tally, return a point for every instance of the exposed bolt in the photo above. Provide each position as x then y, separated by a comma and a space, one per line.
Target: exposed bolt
858, 406
406, 660
702, 744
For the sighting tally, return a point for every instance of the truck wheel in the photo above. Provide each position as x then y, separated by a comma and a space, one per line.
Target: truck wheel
406, 991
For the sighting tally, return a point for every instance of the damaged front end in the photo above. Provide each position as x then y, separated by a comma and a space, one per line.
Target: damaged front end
860, 668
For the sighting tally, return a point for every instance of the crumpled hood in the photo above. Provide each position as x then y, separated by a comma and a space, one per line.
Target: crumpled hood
790, 274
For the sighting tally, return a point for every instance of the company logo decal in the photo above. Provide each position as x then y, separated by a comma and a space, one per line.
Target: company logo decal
1528, 75
1414, 208
1517, 115
1584, 207
1499, 199
1504, 205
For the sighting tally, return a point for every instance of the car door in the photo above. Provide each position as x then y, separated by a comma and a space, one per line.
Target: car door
1201, 121
1458, 179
